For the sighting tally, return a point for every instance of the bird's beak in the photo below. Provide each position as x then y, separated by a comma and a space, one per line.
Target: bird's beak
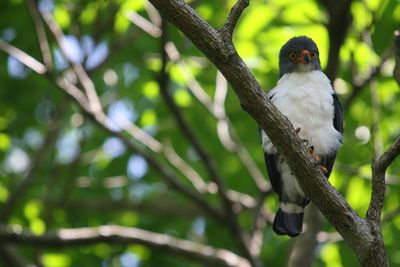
304, 57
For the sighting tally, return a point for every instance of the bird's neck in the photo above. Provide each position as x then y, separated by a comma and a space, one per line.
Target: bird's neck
301, 78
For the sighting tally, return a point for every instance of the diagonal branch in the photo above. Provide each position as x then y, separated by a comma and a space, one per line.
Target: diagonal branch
355, 230
114, 234
23, 57
40, 33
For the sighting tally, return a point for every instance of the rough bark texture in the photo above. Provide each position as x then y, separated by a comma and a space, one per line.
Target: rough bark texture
217, 46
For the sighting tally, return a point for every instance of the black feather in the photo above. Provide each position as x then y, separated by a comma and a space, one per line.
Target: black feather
290, 224
329, 160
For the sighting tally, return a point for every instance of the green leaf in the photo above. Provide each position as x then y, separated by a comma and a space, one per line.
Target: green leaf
182, 98
55, 260
32, 209
62, 17
330, 255
4, 142
148, 118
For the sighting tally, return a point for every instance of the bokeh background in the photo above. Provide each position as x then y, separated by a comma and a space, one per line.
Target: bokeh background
118, 119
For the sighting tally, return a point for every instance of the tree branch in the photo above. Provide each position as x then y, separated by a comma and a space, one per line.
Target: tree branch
355, 230
234, 16
23, 57
379, 167
40, 33
114, 234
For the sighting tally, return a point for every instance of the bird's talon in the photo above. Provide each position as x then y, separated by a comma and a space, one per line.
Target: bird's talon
298, 129
311, 150
323, 169
305, 141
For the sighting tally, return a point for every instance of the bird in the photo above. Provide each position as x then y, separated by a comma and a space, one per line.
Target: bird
304, 94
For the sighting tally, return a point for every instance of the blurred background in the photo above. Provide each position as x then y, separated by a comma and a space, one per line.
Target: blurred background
110, 116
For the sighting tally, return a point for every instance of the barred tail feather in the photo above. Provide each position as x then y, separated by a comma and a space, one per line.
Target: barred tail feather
288, 219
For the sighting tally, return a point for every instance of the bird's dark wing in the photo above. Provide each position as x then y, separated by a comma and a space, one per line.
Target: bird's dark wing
329, 160
273, 173
338, 114
270, 162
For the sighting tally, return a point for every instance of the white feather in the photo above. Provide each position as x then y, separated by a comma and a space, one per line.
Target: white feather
306, 99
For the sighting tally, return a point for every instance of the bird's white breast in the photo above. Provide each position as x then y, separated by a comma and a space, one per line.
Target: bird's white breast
306, 99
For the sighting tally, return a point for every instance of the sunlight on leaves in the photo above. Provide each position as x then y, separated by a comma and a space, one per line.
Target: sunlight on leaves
3, 193
141, 251
102, 250
56, 260
247, 29
182, 98
88, 15
121, 23
4, 142
361, 18
176, 75
129, 219
151, 89
357, 191
37, 226
148, 118
32, 209
365, 57
62, 17
300, 12
246, 49
205, 11
330, 255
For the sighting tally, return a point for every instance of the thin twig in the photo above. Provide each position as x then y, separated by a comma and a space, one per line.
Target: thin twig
144, 24
114, 234
23, 57
40, 33
379, 166
234, 16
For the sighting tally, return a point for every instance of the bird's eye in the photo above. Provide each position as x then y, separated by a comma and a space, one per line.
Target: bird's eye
313, 55
292, 56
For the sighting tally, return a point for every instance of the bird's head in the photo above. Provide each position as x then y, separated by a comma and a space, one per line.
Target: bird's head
299, 54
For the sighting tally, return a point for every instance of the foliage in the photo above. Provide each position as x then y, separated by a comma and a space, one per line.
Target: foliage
75, 172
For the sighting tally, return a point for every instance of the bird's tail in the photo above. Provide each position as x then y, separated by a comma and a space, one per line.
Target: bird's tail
289, 218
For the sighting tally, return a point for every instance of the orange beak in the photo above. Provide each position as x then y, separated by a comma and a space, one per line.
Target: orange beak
304, 57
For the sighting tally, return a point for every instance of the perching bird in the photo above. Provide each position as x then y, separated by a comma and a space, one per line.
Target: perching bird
305, 95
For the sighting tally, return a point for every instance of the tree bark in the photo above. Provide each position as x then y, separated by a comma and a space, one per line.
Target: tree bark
218, 47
